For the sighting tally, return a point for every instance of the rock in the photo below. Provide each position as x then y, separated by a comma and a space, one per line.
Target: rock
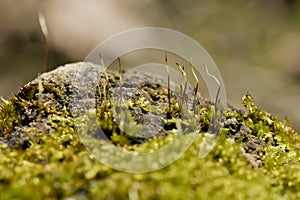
73, 89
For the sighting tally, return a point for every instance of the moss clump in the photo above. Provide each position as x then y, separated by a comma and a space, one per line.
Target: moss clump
9, 118
256, 156
58, 166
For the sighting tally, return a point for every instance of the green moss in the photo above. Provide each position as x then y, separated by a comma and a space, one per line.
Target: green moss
9, 118
57, 165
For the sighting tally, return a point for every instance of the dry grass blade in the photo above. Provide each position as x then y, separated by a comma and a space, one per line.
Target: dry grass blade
3, 100
44, 28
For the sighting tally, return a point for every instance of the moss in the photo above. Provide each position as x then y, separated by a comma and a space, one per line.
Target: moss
256, 157
9, 118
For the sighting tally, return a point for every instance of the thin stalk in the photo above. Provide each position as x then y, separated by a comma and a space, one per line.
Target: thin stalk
196, 87
121, 81
105, 86
185, 85
44, 28
99, 91
122, 136
40, 96
169, 90
219, 86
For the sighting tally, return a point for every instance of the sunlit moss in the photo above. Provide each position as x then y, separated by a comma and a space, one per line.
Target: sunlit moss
9, 118
58, 166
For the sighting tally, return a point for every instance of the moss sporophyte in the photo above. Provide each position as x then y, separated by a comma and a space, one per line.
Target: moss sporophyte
256, 156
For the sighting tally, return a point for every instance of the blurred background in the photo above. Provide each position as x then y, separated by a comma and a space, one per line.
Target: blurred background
255, 44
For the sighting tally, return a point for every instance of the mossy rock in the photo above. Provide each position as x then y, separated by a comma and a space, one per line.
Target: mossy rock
42, 156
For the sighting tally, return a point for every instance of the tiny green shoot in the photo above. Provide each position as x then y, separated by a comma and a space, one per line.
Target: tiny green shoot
99, 91
105, 86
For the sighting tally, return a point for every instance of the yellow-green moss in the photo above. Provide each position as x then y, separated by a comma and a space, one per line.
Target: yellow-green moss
9, 118
57, 165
